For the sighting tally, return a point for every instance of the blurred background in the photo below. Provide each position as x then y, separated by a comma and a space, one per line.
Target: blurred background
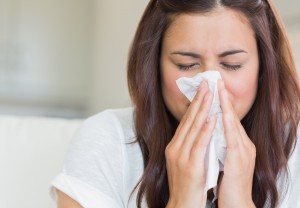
67, 58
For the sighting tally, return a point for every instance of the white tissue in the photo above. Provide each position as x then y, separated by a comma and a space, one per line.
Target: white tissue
216, 152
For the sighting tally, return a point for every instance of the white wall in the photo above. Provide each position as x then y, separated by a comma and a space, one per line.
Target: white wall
71, 55
115, 23
294, 36
44, 56
290, 13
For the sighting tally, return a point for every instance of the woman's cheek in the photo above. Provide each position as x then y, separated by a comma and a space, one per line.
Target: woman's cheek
175, 100
242, 93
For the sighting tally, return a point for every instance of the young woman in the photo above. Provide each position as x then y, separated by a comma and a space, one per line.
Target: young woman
153, 155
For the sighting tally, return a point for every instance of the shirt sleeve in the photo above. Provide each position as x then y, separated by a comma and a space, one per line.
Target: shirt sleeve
93, 171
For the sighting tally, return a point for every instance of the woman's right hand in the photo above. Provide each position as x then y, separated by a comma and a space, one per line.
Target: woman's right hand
185, 154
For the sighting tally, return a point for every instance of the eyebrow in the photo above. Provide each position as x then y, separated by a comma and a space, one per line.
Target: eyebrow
195, 55
191, 54
231, 52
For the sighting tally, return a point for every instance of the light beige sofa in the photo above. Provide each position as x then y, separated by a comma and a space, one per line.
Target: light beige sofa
32, 150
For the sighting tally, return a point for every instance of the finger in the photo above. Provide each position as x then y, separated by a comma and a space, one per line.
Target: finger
189, 116
249, 145
205, 135
199, 148
231, 109
230, 127
199, 121
244, 137
226, 105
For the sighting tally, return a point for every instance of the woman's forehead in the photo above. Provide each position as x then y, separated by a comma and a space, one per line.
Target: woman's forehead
222, 16
223, 29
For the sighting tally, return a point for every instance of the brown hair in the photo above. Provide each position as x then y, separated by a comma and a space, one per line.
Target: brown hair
271, 123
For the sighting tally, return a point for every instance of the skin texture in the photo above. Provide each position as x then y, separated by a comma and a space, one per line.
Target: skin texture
221, 40
208, 36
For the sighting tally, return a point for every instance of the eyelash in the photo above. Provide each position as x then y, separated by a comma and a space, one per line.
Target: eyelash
186, 67
231, 67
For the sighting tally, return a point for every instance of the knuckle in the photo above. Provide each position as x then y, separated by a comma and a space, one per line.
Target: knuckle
174, 156
194, 152
195, 126
253, 150
169, 153
188, 118
199, 123
200, 144
206, 127
198, 97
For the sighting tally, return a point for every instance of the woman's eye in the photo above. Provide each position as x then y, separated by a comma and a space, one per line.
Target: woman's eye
187, 67
232, 66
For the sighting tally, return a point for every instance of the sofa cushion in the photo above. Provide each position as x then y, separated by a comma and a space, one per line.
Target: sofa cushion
32, 151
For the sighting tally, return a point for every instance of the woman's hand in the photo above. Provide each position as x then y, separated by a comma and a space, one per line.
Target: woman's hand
185, 153
235, 189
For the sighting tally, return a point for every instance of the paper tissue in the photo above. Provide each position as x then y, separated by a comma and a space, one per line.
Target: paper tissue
216, 151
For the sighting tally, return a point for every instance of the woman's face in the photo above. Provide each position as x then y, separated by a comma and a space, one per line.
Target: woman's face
222, 40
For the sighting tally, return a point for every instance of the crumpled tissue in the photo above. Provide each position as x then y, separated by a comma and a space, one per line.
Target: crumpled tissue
216, 152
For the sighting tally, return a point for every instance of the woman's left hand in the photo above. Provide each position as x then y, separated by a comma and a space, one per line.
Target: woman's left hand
235, 187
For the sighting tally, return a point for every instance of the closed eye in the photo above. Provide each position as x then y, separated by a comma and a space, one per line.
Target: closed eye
231, 66
187, 66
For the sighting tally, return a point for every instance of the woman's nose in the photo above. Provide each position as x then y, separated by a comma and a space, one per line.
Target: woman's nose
211, 65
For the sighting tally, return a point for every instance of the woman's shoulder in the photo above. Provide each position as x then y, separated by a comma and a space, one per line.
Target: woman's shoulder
110, 122
103, 133
119, 115
101, 136
100, 167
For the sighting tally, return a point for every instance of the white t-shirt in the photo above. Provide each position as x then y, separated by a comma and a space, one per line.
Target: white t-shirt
102, 165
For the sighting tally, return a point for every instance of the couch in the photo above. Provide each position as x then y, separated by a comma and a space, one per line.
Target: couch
32, 151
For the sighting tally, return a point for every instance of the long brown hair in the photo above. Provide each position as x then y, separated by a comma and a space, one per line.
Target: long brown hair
271, 123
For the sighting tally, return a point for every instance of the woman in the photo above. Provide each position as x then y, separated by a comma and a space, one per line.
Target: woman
154, 155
